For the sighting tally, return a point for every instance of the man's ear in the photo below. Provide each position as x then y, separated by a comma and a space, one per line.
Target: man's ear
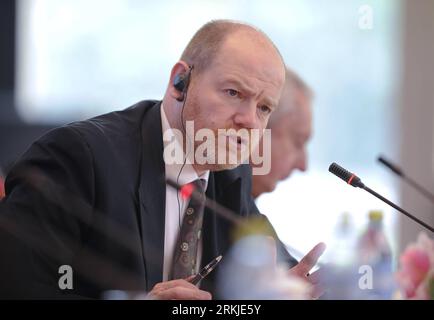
179, 71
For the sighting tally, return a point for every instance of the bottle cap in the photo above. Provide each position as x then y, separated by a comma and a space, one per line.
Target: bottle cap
375, 215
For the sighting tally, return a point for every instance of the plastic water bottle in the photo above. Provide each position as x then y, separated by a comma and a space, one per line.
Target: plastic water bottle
374, 252
341, 272
342, 249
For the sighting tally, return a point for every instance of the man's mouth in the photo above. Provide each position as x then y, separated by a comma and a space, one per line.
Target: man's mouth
236, 142
239, 140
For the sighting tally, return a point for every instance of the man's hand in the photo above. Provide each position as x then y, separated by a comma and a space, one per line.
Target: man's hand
178, 290
306, 264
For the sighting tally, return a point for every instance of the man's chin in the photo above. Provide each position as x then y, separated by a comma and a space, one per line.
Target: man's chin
263, 188
272, 187
268, 185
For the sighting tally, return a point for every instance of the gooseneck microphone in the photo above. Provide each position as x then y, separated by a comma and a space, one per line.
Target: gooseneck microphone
395, 169
356, 182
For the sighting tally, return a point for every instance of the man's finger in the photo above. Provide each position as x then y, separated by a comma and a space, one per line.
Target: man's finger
310, 259
189, 278
316, 277
172, 284
182, 293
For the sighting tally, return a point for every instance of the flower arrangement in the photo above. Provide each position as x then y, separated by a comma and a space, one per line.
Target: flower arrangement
416, 274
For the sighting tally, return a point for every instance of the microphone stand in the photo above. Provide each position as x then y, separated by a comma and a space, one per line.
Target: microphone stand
390, 203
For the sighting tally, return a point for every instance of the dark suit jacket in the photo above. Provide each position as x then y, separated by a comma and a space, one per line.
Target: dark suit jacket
92, 195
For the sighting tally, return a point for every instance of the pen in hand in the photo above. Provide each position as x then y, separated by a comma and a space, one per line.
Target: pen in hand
206, 270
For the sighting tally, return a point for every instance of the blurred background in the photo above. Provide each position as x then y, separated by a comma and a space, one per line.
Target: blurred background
369, 63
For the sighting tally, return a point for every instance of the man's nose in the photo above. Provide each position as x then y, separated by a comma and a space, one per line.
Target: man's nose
246, 116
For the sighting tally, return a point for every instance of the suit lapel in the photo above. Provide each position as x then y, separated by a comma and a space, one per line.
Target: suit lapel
224, 188
210, 235
152, 196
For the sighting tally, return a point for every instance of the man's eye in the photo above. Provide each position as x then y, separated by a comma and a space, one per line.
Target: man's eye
265, 109
232, 92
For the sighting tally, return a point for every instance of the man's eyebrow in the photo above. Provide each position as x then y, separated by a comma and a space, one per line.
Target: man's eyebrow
240, 84
267, 100
270, 102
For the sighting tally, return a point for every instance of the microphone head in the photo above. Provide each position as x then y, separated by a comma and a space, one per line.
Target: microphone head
391, 166
345, 175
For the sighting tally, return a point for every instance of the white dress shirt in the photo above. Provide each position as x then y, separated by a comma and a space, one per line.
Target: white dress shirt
176, 205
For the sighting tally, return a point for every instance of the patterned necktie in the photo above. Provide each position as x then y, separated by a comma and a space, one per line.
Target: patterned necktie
185, 254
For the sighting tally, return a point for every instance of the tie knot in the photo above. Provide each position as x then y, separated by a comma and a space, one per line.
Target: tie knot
199, 184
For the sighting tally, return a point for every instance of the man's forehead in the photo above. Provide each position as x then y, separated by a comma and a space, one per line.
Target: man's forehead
252, 52
247, 77
252, 70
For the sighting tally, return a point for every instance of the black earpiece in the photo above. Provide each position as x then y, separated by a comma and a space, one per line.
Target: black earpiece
181, 82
